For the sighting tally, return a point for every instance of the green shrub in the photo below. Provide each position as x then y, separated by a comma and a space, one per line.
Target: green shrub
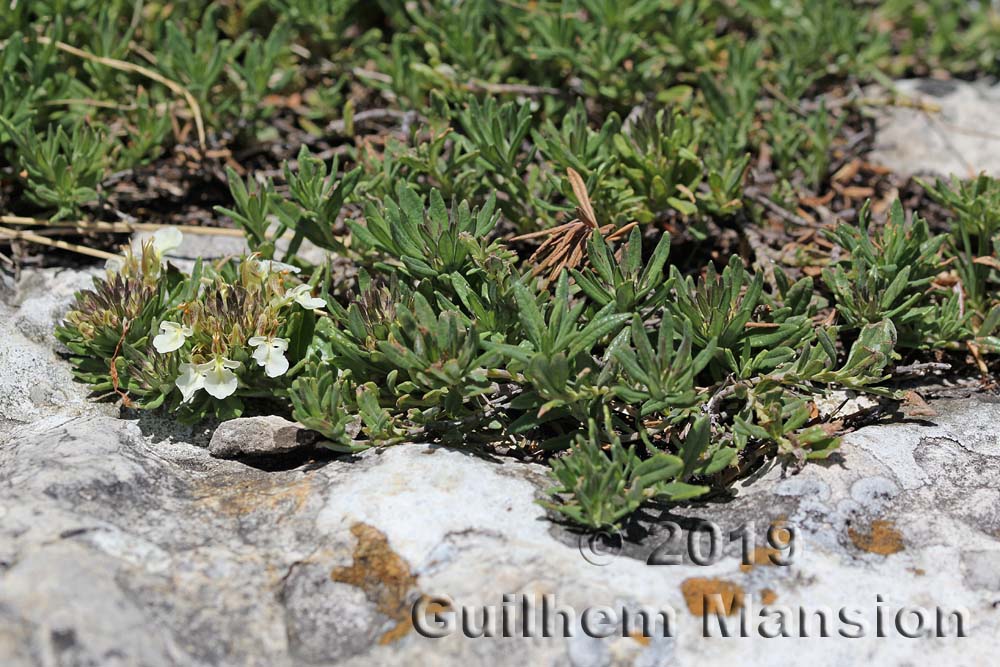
393, 167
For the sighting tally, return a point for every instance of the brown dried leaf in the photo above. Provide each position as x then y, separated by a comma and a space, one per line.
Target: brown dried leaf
848, 171
585, 209
915, 406
988, 260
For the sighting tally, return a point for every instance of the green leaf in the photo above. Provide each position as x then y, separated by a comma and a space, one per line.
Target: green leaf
681, 490
695, 444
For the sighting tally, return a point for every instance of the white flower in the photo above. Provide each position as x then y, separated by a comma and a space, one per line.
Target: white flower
270, 354
166, 239
300, 294
172, 337
115, 264
220, 381
189, 381
269, 265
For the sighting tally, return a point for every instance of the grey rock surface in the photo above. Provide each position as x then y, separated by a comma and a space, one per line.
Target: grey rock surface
43, 297
945, 128
211, 246
121, 546
259, 436
124, 542
35, 383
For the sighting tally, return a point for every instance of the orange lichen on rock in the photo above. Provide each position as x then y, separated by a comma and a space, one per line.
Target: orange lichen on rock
760, 556
640, 639
767, 596
881, 538
384, 577
711, 596
237, 498
781, 536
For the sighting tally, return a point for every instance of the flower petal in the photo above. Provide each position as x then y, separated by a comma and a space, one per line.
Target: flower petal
171, 337
269, 265
261, 354
221, 382
189, 381
276, 365
168, 342
272, 357
166, 239
310, 302
301, 295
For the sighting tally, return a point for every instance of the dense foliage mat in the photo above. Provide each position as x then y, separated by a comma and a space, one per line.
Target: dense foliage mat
639, 241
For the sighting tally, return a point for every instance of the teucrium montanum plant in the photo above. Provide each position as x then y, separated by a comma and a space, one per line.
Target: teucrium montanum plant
200, 343
443, 337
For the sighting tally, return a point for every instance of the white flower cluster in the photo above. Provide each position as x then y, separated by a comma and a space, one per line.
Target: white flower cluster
216, 376
164, 240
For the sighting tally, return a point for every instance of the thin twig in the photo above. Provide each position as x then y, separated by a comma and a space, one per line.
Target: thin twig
115, 383
371, 114
920, 368
90, 103
374, 75
473, 85
761, 251
124, 227
773, 207
781, 97
633, 116
478, 86
124, 66
713, 407
42, 240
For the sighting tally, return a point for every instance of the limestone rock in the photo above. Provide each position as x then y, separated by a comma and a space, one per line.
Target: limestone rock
259, 436
123, 542
35, 383
117, 541
211, 246
946, 128
42, 297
